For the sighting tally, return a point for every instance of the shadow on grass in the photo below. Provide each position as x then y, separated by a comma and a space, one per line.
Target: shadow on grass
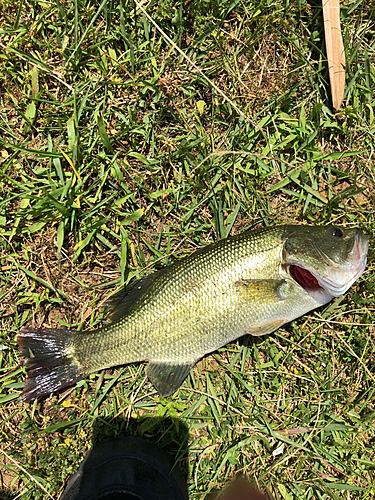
5, 495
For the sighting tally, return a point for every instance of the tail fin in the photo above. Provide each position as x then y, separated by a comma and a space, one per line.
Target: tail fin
50, 360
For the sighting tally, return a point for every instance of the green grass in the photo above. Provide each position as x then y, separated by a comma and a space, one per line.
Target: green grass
120, 150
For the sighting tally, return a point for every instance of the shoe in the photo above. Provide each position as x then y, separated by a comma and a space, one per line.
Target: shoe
127, 468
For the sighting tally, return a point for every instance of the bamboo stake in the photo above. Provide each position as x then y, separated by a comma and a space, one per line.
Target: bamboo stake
335, 50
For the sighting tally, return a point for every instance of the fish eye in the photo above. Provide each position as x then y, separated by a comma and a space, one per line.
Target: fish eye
336, 232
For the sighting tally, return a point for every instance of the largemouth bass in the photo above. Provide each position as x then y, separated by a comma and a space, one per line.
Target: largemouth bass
251, 283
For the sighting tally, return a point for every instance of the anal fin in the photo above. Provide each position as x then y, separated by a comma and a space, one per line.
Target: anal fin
168, 377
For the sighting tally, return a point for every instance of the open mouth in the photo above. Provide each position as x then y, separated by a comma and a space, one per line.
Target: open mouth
304, 278
332, 280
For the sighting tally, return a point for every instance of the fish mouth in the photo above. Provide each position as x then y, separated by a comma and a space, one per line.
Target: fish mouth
319, 289
316, 285
304, 277
337, 279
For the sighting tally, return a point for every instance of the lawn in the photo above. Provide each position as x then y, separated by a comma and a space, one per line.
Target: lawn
132, 134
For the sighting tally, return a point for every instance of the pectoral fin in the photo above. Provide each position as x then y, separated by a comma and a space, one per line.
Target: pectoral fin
168, 377
264, 290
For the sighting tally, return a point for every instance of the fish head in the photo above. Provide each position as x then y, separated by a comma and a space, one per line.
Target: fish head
324, 260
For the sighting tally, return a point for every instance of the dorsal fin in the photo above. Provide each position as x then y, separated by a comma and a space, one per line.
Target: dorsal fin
121, 303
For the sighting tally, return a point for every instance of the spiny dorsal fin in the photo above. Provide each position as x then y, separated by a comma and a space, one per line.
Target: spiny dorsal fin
168, 377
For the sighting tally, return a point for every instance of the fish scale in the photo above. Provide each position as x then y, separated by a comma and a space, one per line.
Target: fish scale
247, 284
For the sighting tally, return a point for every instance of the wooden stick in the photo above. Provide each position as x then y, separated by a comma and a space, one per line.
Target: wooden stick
335, 50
